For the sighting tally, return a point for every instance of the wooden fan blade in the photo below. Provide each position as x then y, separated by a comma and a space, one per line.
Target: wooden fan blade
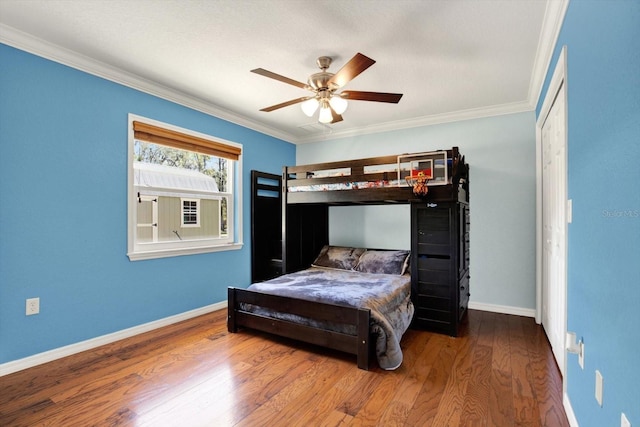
278, 77
336, 117
351, 70
286, 104
357, 95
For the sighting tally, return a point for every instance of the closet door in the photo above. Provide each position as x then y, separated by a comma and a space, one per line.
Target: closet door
554, 227
266, 226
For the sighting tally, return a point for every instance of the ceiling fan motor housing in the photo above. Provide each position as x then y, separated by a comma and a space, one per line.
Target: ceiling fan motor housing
320, 81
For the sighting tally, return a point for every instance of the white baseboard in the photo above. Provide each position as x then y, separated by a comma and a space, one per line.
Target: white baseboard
57, 353
503, 309
573, 421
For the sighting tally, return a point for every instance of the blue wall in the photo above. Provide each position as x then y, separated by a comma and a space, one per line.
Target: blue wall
63, 209
603, 83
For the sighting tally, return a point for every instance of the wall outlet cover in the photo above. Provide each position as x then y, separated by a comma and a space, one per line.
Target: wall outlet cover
33, 306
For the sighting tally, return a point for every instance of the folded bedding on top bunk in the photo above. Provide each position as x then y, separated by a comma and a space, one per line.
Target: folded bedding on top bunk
435, 166
344, 186
387, 296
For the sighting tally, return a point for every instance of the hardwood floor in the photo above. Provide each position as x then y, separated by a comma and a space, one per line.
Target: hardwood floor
500, 372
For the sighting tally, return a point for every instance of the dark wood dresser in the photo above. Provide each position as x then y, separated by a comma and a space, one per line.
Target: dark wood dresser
440, 264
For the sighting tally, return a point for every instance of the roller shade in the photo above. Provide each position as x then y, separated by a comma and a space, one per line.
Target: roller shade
182, 141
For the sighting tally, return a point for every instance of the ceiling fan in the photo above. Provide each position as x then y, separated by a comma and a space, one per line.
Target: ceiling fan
324, 86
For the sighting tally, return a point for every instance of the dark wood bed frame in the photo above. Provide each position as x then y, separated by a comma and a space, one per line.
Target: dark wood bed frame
357, 343
305, 230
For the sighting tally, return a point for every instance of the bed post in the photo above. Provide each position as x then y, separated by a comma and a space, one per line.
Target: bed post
363, 339
231, 310
284, 193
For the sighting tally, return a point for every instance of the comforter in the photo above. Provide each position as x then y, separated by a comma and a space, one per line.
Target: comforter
388, 297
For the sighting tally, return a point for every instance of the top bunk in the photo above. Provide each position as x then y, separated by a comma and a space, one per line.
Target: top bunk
442, 174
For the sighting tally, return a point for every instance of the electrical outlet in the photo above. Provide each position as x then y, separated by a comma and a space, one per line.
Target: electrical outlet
581, 355
33, 306
599, 385
624, 422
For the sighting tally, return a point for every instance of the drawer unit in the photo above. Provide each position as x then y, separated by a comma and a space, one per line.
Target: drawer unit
440, 265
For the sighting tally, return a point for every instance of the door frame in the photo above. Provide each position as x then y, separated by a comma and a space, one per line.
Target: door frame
558, 79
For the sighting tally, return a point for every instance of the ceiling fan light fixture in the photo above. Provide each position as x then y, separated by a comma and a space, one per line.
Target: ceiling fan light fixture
309, 106
324, 86
325, 115
339, 104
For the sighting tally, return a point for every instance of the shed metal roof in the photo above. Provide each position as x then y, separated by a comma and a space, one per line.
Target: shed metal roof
151, 175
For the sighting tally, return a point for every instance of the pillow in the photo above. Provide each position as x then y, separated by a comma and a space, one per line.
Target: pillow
339, 257
383, 262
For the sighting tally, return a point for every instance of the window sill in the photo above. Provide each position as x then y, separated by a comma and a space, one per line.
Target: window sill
166, 253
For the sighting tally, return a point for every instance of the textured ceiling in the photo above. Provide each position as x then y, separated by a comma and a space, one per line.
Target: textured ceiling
451, 59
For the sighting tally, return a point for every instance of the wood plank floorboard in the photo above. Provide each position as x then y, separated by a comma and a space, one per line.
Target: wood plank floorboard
499, 372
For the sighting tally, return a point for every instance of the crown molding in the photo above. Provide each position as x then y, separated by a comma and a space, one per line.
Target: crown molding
435, 119
551, 26
28, 43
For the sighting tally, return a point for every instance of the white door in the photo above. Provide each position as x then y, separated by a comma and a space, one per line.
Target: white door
554, 225
147, 218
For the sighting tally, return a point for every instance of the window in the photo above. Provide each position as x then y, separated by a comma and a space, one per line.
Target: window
184, 191
190, 213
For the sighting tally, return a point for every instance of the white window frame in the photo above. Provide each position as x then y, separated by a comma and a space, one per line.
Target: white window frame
233, 239
190, 225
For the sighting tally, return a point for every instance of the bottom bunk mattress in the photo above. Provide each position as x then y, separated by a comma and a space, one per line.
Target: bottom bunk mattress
388, 297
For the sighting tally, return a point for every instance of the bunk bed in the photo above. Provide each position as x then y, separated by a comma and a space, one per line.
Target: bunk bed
307, 192
377, 180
